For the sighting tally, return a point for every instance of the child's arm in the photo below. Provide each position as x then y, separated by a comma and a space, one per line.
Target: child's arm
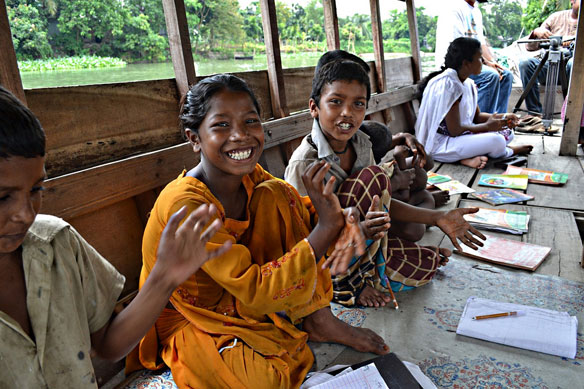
450, 222
181, 252
483, 122
331, 220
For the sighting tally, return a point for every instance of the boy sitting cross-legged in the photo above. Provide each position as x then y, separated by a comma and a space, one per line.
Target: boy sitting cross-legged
58, 293
340, 92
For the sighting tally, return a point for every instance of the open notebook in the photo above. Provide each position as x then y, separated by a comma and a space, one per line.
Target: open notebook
536, 329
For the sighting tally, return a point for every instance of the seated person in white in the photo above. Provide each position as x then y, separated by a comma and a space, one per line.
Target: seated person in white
450, 124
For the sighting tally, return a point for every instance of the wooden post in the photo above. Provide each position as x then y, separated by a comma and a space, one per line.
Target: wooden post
180, 44
379, 54
9, 74
571, 132
275, 75
378, 44
414, 40
331, 24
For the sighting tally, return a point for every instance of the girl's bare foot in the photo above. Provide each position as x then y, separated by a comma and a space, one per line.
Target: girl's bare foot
441, 197
521, 150
323, 326
478, 162
370, 297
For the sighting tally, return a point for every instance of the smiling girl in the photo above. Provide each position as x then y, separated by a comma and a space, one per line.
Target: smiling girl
232, 324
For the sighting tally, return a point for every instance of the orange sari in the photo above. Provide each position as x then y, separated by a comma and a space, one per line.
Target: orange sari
241, 297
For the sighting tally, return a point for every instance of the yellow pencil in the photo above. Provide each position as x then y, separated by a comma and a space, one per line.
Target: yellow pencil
494, 315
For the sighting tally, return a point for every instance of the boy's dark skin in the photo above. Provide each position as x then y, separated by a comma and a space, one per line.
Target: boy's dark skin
344, 101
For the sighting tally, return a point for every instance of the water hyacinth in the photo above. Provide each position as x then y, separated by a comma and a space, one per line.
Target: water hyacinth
70, 63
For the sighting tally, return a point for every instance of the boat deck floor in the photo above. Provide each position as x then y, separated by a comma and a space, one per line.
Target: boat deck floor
423, 329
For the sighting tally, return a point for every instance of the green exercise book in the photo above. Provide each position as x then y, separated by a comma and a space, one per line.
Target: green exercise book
539, 176
434, 178
513, 222
504, 181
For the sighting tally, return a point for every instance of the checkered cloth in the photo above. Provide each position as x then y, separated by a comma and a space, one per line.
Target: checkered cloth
405, 263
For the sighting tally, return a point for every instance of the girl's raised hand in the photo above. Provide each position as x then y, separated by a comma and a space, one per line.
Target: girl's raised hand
351, 242
181, 251
322, 196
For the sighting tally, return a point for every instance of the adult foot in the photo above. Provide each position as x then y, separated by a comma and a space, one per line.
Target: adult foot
521, 150
323, 326
478, 162
370, 297
441, 197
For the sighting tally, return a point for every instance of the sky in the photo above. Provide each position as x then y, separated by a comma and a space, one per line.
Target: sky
350, 7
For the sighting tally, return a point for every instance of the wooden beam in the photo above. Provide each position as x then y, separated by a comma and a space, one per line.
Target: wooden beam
89, 190
180, 44
331, 24
570, 134
9, 74
275, 75
414, 40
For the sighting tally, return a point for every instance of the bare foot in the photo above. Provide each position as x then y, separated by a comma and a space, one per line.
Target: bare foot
323, 326
478, 162
442, 252
521, 150
441, 197
370, 297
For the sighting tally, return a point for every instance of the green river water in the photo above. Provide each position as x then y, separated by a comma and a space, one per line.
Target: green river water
155, 71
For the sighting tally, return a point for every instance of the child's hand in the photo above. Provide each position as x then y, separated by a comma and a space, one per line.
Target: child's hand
351, 243
400, 153
512, 120
496, 122
324, 200
453, 224
415, 146
181, 251
376, 222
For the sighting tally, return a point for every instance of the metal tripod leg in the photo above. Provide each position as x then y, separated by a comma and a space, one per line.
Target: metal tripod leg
530, 84
555, 60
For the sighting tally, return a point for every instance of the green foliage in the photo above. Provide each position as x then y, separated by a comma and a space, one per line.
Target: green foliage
396, 27
537, 11
69, 63
502, 21
29, 31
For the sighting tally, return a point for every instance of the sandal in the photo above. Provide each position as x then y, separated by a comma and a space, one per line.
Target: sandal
515, 160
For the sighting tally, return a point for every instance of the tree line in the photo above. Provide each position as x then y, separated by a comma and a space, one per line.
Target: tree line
135, 30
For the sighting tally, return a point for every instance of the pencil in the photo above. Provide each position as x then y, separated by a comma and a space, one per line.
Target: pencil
391, 293
494, 315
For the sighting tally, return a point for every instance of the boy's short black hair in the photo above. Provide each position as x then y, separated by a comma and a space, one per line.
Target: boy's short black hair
21, 133
339, 70
334, 55
380, 137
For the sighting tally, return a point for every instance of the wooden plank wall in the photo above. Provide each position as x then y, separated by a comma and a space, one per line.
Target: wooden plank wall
107, 160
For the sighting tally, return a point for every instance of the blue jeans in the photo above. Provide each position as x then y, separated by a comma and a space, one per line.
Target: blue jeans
527, 69
493, 93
